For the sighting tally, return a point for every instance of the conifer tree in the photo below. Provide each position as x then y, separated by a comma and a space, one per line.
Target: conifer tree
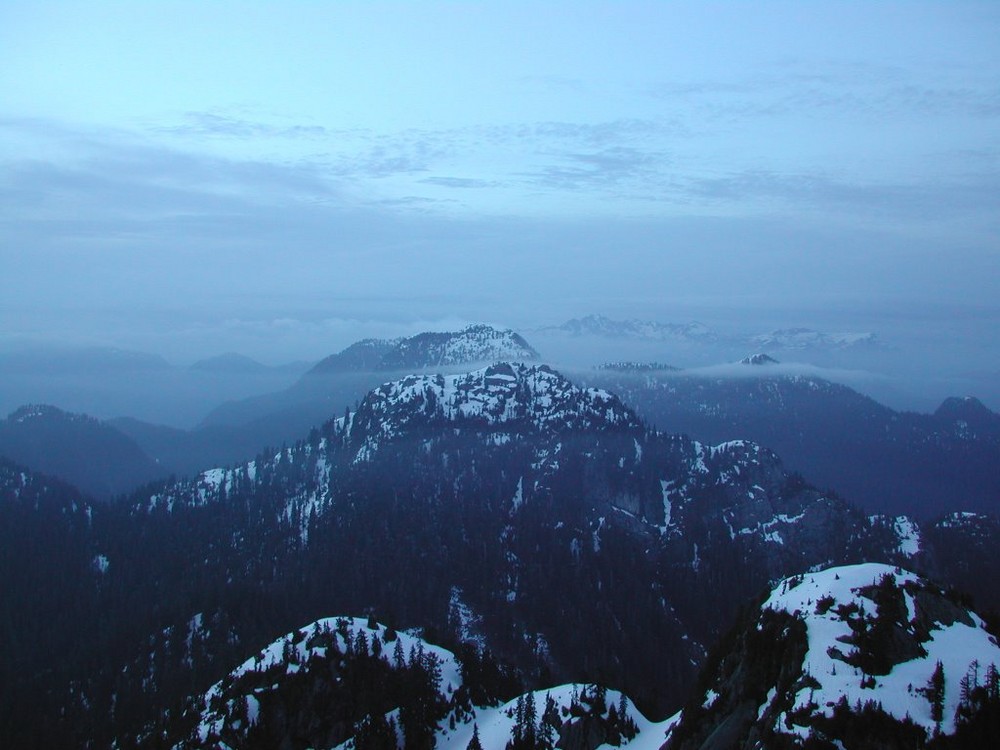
474, 743
935, 694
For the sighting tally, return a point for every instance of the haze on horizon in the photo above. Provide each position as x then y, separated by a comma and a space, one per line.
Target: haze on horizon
281, 180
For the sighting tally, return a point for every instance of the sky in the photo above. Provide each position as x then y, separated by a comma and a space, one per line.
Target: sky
281, 179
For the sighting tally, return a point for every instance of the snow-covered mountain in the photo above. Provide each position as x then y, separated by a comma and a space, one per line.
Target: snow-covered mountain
531, 496
795, 339
759, 359
508, 396
807, 338
522, 519
340, 381
369, 686
830, 655
599, 325
432, 349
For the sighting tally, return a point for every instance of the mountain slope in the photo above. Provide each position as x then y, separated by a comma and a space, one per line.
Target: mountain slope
343, 379
550, 511
52, 572
354, 682
922, 465
509, 510
865, 651
431, 349
94, 456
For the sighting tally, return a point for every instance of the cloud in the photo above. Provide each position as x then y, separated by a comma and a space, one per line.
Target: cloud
928, 200
213, 124
459, 182
838, 89
598, 169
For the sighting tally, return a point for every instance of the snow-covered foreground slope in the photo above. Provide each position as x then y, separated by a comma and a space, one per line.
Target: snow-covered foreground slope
232, 708
834, 603
258, 699
829, 650
495, 725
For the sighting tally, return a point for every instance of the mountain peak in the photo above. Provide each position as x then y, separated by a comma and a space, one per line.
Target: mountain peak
37, 411
968, 418
833, 647
758, 359
964, 407
511, 396
475, 343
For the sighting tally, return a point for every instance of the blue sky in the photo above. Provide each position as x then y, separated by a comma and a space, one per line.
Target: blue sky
281, 178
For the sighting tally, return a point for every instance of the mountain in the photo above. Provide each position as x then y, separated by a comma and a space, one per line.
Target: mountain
547, 511
969, 419
93, 455
334, 384
429, 350
189, 452
898, 463
362, 356
806, 338
759, 360
785, 339
370, 685
598, 325
539, 530
108, 383
860, 656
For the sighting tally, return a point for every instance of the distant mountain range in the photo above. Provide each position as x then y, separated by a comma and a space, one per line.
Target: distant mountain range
806, 338
598, 325
110, 383
785, 339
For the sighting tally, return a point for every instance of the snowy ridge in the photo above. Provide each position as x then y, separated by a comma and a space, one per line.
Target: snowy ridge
831, 654
476, 343
209, 486
231, 705
512, 395
759, 360
431, 349
495, 725
828, 602
303, 502
599, 325
806, 338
